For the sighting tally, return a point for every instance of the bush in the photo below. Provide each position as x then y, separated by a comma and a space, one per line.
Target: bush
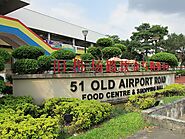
1, 78
20, 127
95, 51
87, 56
25, 66
110, 52
165, 57
5, 55
85, 113
104, 42
120, 46
44, 63
2, 86
13, 102
2, 64
27, 52
64, 54
147, 100
181, 72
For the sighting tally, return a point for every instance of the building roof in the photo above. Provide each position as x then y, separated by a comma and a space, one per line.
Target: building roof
7, 6
50, 24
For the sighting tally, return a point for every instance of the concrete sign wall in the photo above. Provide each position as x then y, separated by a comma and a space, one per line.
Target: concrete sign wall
103, 86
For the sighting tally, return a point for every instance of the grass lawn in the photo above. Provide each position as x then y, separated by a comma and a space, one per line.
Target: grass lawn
168, 100
118, 127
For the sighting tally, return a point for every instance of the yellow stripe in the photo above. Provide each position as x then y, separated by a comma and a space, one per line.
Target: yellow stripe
16, 24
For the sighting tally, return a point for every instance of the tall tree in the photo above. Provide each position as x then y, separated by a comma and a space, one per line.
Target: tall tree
175, 44
148, 36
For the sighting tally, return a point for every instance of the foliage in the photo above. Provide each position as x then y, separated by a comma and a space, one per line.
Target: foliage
85, 113
19, 118
95, 51
2, 86
175, 43
167, 100
5, 55
25, 66
8, 90
148, 36
119, 127
104, 42
44, 63
17, 126
120, 46
87, 56
64, 54
165, 57
116, 39
110, 52
147, 100
181, 72
27, 52
142, 101
1, 78
2, 64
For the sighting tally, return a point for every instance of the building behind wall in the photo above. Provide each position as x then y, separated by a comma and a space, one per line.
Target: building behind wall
57, 33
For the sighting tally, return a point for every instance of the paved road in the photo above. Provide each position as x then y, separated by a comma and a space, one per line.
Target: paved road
157, 133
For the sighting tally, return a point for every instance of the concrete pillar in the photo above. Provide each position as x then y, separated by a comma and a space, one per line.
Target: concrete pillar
49, 37
73, 42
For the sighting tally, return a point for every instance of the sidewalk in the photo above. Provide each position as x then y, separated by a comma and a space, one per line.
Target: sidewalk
157, 133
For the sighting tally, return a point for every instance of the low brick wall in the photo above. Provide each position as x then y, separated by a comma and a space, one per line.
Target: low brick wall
168, 116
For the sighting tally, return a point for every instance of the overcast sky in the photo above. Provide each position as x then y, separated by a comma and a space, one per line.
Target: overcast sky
116, 17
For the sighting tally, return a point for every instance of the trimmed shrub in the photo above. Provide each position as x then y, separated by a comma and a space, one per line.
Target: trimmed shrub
84, 113
104, 42
120, 46
25, 66
2, 64
87, 56
27, 52
20, 127
64, 54
5, 55
2, 86
95, 51
147, 100
44, 63
169, 58
110, 52
1, 78
181, 72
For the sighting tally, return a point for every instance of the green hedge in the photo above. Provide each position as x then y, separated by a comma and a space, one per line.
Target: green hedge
165, 57
95, 51
2, 86
44, 63
87, 56
147, 100
64, 54
2, 63
104, 42
110, 52
85, 113
5, 55
25, 66
120, 46
181, 72
27, 52
20, 118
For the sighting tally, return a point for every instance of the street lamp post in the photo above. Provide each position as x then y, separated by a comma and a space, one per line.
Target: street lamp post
85, 32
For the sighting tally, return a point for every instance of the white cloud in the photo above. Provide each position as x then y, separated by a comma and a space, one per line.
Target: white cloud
121, 21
